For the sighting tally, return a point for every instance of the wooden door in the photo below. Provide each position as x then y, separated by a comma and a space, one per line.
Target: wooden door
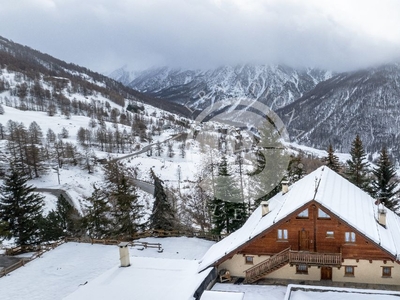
304, 240
326, 273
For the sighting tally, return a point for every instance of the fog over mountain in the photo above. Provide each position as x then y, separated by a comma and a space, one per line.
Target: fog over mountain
204, 34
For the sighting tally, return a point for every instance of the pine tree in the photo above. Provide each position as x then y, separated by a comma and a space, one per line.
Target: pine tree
20, 208
67, 214
295, 169
270, 169
34, 152
163, 216
97, 219
384, 185
332, 161
228, 211
51, 227
357, 171
125, 208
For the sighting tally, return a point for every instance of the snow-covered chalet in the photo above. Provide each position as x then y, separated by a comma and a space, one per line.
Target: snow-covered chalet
322, 228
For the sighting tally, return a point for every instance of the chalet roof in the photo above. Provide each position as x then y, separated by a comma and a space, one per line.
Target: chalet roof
332, 191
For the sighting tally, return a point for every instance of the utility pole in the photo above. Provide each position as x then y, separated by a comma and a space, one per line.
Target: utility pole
57, 169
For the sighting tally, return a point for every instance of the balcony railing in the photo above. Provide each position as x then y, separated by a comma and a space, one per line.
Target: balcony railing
315, 258
294, 258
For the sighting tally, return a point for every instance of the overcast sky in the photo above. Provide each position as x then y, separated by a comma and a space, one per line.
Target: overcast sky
104, 35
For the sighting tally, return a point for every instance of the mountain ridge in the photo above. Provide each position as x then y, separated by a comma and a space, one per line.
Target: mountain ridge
272, 85
318, 107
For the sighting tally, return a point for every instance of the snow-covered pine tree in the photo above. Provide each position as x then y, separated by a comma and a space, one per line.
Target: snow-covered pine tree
332, 161
20, 208
384, 185
357, 170
162, 217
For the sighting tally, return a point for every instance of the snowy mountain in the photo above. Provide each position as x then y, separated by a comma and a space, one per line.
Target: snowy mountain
363, 102
318, 107
34, 66
275, 86
123, 75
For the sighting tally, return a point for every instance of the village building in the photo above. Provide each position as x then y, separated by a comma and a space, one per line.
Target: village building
321, 228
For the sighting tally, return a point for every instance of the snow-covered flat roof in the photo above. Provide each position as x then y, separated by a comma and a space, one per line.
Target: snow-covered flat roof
215, 295
73, 267
332, 191
146, 278
301, 292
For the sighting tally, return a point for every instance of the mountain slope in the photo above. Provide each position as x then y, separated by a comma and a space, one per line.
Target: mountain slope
275, 86
36, 66
364, 102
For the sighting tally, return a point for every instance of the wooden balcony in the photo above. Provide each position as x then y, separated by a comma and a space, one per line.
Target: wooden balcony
315, 258
278, 260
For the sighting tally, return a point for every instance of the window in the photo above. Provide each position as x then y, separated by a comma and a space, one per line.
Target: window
350, 237
322, 214
282, 234
249, 260
348, 271
386, 272
330, 234
303, 214
301, 269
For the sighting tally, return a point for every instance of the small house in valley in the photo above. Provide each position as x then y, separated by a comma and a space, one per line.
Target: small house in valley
321, 228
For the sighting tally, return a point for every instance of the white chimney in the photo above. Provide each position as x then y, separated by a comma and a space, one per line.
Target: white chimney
264, 208
285, 187
124, 254
382, 216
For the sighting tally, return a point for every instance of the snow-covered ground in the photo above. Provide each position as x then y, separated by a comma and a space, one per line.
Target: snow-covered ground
65, 270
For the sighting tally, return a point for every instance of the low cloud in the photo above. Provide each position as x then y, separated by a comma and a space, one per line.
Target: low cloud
104, 35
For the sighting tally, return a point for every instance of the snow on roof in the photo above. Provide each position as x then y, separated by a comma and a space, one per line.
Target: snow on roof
146, 278
301, 292
333, 192
75, 266
215, 295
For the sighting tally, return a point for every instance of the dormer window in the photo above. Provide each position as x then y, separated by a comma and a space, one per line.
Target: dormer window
303, 214
322, 214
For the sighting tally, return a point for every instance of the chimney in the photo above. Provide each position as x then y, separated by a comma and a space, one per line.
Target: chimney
264, 208
382, 217
285, 187
124, 254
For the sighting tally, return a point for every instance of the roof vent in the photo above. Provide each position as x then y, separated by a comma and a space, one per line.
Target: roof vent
285, 187
264, 208
124, 254
382, 217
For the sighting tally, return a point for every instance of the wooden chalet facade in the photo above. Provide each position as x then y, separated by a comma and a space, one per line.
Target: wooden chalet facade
323, 228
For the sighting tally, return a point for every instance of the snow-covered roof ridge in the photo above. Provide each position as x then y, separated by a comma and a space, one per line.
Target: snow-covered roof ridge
332, 191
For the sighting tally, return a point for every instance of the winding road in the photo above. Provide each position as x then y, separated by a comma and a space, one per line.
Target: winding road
143, 185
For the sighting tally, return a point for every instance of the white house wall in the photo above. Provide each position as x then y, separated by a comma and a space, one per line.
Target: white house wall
364, 271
